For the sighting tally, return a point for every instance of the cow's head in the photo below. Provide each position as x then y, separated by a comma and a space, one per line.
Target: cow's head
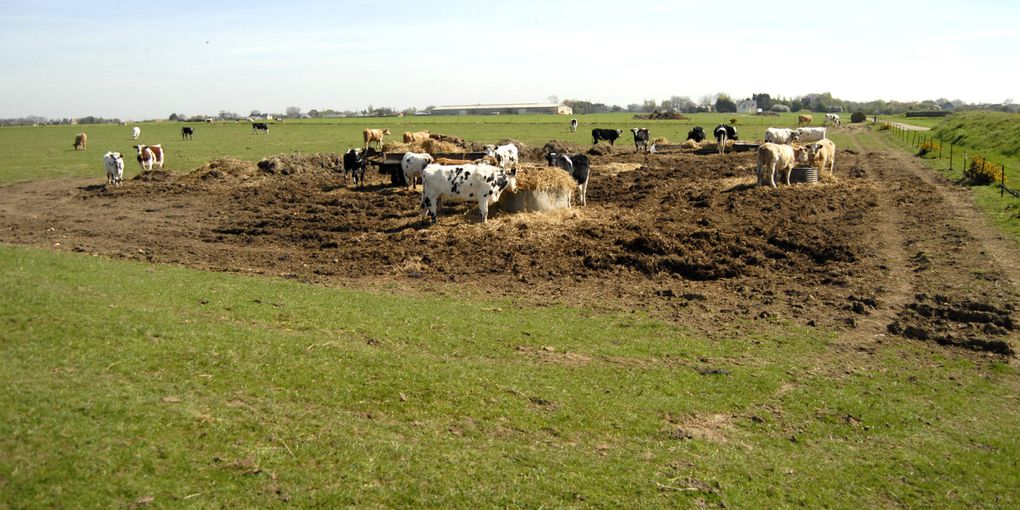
512, 176
794, 135
804, 155
386, 131
619, 132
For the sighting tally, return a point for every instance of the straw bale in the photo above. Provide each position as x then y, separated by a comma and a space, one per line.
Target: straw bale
544, 178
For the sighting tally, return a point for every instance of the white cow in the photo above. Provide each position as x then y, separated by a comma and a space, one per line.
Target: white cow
412, 164
808, 135
831, 118
781, 135
506, 155
136, 132
822, 153
114, 163
464, 183
774, 157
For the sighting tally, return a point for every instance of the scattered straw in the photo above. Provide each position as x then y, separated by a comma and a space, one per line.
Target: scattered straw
614, 169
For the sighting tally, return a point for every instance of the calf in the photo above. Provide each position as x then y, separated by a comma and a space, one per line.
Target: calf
722, 133
506, 155
822, 153
259, 126
808, 135
149, 155
640, 139
573, 125
354, 164
374, 135
415, 136
831, 118
697, 134
114, 163
412, 164
577, 166
136, 132
605, 134
187, 132
781, 135
464, 183
803, 120
81, 140
774, 157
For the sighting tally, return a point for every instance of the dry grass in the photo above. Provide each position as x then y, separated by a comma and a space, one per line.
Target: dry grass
614, 169
544, 178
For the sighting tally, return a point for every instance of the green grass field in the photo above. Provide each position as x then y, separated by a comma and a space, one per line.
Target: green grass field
131, 384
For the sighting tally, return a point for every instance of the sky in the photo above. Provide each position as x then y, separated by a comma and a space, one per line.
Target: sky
146, 60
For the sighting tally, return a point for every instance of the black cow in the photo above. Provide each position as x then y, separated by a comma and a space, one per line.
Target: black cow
187, 132
355, 164
605, 134
697, 134
640, 138
722, 133
259, 126
577, 166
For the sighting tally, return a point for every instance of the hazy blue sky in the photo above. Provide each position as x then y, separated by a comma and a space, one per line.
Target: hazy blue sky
149, 59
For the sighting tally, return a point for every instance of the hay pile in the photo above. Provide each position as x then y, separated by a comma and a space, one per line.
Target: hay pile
289, 164
391, 146
223, 168
600, 150
447, 138
543, 178
520, 146
662, 140
436, 146
614, 169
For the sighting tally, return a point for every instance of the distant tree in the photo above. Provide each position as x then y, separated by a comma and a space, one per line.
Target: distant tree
554, 99
780, 108
633, 108
293, 111
173, 116
796, 105
255, 113
725, 105
313, 113
225, 115
764, 101
409, 111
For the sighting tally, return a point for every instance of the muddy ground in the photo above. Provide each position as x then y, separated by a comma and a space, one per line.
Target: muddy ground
883, 249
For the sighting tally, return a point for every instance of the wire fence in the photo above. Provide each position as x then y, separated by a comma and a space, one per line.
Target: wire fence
976, 168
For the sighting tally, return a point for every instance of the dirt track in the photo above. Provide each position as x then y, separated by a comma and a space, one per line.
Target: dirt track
886, 246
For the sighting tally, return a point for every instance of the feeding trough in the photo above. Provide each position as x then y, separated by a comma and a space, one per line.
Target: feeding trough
804, 174
539, 188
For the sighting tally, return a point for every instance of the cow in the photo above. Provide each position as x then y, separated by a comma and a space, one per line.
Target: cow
697, 134
831, 118
81, 141
416, 136
187, 132
803, 120
114, 163
609, 135
722, 133
259, 126
822, 153
808, 135
506, 155
374, 135
412, 164
577, 166
136, 132
149, 155
463, 183
774, 157
573, 125
354, 164
640, 139
781, 135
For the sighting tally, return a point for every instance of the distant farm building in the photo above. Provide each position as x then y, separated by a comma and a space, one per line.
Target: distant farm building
747, 106
503, 109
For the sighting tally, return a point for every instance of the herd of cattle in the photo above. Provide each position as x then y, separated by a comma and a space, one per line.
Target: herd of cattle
484, 180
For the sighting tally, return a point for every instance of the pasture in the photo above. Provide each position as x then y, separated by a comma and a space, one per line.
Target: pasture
687, 339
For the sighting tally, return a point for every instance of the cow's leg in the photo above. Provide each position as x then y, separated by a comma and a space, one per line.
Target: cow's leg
584, 194
483, 209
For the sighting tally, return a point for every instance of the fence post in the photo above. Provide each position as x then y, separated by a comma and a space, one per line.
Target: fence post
940, 147
950, 156
1002, 187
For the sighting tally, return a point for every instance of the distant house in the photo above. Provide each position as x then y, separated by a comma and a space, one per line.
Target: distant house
503, 109
747, 106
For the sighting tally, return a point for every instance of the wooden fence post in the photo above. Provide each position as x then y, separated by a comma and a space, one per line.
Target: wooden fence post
950, 156
940, 147
1002, 186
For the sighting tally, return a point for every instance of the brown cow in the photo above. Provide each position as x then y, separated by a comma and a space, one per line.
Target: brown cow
822, 154
149, 155
415, 136
80, 141
375, 135
803, 120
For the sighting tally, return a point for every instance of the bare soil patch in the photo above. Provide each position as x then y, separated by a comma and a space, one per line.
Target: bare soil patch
686, 237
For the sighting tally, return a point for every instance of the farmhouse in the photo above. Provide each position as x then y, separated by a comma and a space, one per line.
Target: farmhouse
503, 109
747, 106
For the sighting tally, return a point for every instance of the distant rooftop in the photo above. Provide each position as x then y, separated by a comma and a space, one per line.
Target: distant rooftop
497, 105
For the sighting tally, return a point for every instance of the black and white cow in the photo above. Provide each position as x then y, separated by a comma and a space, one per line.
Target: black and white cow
722, 133
573, 125
609, 135
464, 183
187, 132
697, 134
355, 163
640, 139
259, 126
577, 166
